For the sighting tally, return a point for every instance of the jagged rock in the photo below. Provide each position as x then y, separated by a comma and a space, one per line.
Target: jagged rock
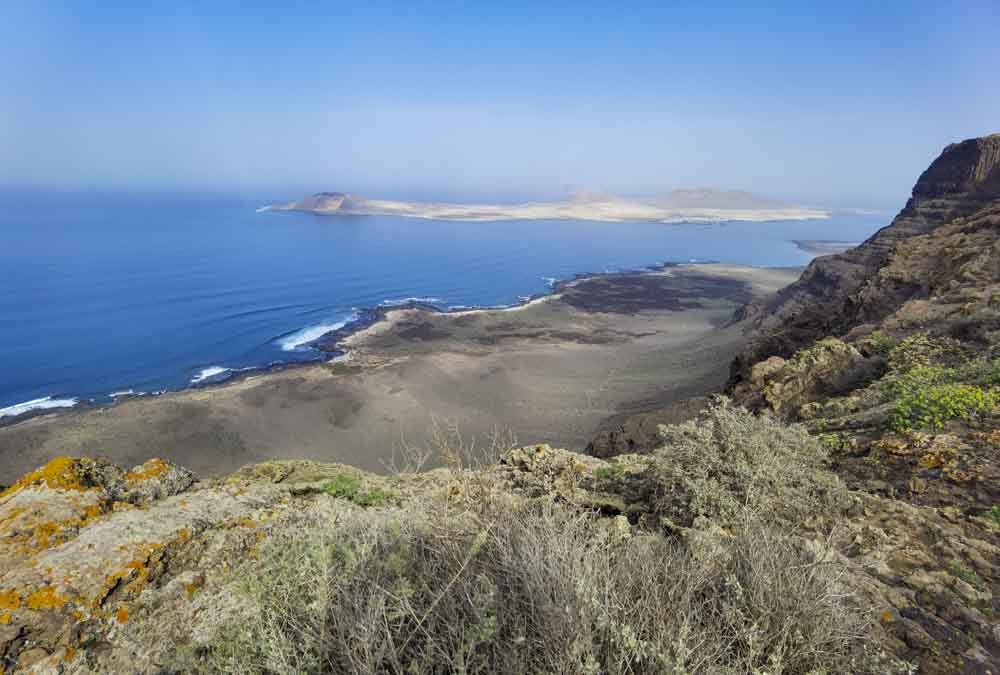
947, 231
818, 371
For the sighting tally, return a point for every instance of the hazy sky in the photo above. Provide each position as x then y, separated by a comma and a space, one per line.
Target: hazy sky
842, 106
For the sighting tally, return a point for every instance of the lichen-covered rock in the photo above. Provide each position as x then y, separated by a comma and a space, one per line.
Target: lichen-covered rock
818, 371
107, 570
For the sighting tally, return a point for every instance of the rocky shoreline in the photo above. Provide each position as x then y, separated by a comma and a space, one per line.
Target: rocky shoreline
407, 362
329, 345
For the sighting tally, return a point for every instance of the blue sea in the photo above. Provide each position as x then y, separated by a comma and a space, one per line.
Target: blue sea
111, 294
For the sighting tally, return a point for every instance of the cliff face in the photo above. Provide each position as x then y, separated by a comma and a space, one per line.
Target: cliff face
866, 284
890, 353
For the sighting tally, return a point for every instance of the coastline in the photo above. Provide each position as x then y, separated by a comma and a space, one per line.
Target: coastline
325, 347
551, 368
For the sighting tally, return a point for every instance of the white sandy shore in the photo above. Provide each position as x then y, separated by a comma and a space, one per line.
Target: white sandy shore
609, 209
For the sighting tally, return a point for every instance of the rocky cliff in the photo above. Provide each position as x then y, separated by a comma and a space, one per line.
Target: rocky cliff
926, 250
890, 354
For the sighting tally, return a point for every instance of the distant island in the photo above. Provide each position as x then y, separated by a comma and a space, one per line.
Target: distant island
699, 205
823, 246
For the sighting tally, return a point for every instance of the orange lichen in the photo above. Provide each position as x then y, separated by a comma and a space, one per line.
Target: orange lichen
945, 459
10, 516
10, 600
59, 474
46, 597
151, 469
5, 618
135, 574
121, 616
39, 536
70, 653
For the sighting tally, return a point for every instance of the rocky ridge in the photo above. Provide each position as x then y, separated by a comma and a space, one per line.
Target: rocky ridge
890, 353
865, 284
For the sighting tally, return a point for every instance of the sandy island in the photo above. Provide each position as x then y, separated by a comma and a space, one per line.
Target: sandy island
679, 206
552, 370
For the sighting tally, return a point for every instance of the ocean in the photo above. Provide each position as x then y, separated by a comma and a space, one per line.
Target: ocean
109, 295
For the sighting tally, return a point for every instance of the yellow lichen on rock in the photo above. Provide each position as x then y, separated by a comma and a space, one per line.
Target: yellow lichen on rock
46, 597
10, 600
59, 474
154, 468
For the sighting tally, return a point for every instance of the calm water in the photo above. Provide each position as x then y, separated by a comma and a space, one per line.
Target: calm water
115, 295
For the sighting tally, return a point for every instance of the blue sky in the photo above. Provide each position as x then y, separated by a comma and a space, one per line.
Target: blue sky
842, 105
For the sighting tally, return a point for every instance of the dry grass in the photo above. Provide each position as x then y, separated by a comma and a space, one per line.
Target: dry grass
446, 445
494, 584
540, 589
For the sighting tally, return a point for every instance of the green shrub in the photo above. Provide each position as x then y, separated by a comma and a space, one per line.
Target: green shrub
348, 486
922, 349
610, 473
539, 589
984, 372
962, 571
933, 406
992, 516
916, 379
730, 462
878, 343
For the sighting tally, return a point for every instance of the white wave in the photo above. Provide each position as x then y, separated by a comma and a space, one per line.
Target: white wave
37, 404
127, 392
406, 301
551, 281
293, 341
208, 373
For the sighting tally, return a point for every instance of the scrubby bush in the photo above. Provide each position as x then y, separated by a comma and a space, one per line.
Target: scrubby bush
922, 349
731, 462
540, 589
348, 486
932, 407
916, 379
983, 372
878, 343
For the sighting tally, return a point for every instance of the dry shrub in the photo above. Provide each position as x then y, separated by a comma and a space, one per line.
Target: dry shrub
539, 589
730, 464
446, 445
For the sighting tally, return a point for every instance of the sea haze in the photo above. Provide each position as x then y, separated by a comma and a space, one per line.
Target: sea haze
118, 295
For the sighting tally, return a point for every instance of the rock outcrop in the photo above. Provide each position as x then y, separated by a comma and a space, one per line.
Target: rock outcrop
107, 570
